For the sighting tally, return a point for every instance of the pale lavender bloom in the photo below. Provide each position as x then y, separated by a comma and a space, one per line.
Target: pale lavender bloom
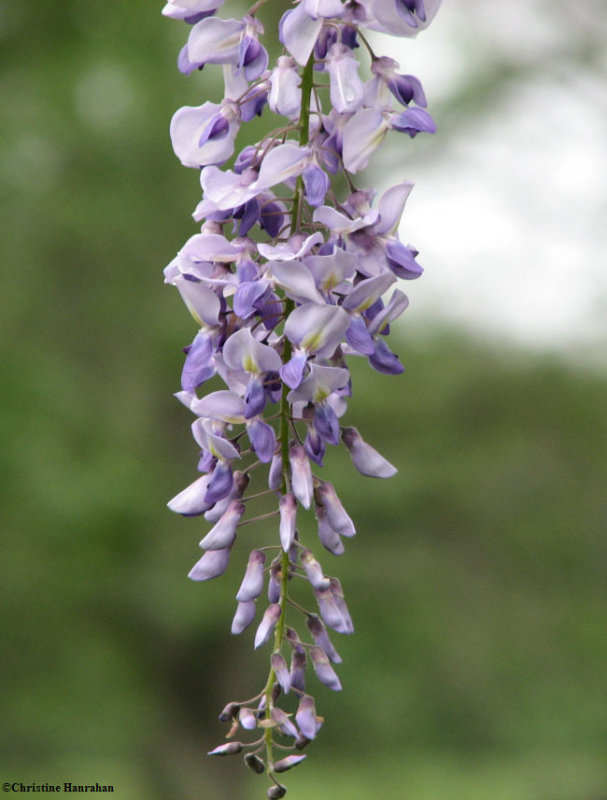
298, 31
288, 516
405, 88
275, 473
364, 457
297, 246
203, 135
244, 616
243, 351
216, 41
336, 513
301, 476
223, 405
223, 533
191, 501
316, 184
413, 121
284, 723
221, 483
285, 93
323, 8
384, 360
341, 603
281, 670
268, 623
361, 136
330, 271
213, 564
346, 87
331, 612
307, 721
262, 438
313, 329
313, 570
401, 17
321, 637
323, 669
207, 435
296, 280
247, 719
189, 9
329, 538
252, 583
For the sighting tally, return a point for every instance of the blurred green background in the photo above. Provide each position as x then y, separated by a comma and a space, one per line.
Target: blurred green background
477, 580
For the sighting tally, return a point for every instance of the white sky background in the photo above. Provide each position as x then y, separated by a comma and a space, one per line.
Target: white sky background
509, 210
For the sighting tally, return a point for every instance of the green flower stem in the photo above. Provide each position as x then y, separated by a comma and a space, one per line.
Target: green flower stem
285, 412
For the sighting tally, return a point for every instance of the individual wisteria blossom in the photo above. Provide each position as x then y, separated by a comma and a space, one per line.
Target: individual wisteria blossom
287, 280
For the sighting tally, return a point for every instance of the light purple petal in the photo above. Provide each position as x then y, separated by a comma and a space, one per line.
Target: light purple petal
317, 329
346, 87
267, 625
296, 280
288, 515
221, 405
316, 184
299, 33
281, 163
364, 457
263, 439
244, 616
337, 516
252, 583
362, 135
215, 41
399, 302
223, 533
190, 502
390, 208
323, 669
301, 476
213, 564
243, 351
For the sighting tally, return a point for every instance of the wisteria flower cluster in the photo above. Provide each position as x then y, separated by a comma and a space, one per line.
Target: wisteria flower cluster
286, 280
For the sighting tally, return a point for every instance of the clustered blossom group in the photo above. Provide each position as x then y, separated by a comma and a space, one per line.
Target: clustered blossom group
285, 281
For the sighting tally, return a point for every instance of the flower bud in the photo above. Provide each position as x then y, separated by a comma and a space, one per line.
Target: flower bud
229, 712
286, 763
314, 570
288, 512
277, 791
267, 624
281, 670
227, 749
323, 669
252, 583
254, 763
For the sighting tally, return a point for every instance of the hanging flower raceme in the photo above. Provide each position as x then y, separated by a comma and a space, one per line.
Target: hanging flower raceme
286, 281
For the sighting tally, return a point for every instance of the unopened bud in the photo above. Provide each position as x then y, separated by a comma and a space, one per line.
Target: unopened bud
227, 749
276, 791
229, 712
255, 763
286, 763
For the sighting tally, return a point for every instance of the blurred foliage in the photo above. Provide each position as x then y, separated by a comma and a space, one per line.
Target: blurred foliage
477, 579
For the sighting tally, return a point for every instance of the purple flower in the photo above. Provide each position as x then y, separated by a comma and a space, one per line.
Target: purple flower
287, 279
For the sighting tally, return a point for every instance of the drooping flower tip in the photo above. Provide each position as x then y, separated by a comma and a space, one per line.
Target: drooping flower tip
228, 749
287, 763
